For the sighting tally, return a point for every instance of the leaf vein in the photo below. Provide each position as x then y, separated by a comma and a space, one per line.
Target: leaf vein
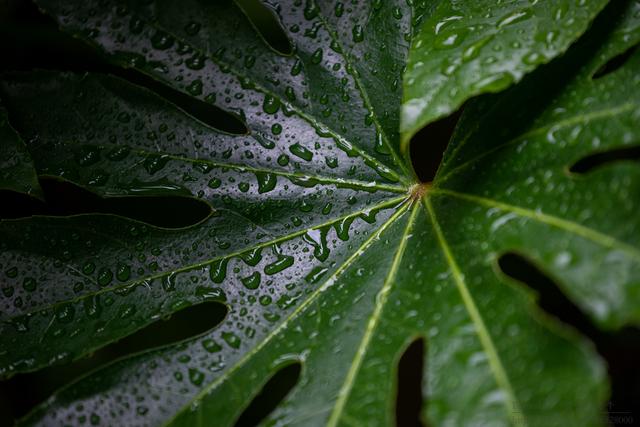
595, 115
484, 336
570, 226
381, 300
297, 311
365, 96
259, 88
387, 203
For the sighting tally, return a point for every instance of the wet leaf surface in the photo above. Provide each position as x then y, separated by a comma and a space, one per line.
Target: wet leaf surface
326, 252
17, 172
464, 49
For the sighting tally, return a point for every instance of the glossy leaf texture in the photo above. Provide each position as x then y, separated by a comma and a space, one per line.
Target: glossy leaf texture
321, 246
467, 48
17, 172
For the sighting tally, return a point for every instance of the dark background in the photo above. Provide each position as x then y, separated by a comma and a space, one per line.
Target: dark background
30, 40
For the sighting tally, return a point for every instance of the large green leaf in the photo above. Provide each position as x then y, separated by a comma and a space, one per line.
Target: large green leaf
318, 243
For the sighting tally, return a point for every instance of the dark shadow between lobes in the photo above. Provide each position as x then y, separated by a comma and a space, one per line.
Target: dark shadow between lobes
597, 160
37, 43
271, 395
267, 25
21, 393
615, 63
63, 198
409, 398
427, 147
620, 349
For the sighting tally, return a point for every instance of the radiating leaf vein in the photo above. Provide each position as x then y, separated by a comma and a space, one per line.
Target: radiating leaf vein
297, 311
502, 379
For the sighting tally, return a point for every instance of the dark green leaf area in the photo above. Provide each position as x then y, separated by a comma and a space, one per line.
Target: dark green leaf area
523, 175
17, 172
114, 276
468, 48
212, 52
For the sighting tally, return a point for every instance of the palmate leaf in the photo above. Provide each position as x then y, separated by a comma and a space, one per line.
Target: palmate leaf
319, 244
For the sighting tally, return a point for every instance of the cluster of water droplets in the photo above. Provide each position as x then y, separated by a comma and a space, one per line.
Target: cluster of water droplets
466, 49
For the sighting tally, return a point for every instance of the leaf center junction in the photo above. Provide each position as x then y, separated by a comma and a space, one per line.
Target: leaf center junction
418, 190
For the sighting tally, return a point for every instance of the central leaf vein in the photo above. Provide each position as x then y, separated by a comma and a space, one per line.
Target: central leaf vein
484, 336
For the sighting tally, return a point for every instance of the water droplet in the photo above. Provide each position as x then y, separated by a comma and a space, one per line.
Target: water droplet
382, 170
290, 93
118, 153
534, 58
94, 419
265, 300
65, 313
154, 163
276, 129
243, 186
192, 28
357, 33
380, 145
195, 87
214, 183
450, 39
211, 345
287, 301
29, 284
249, 61
514, 17
231, 339
252, 281
253, 257
283, 262
316, 274
104, 276
316, 57
196, 62
92, 307
296, 68
332, 162
161, 40
318, 239
196, 377
88, 267
563, 259
123, 272
271, 104
266, 182
283, 160
271, 317
207, 293
87, 155
474, 49
301, 151
218, 270
126, 311
494, 83
342, 228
